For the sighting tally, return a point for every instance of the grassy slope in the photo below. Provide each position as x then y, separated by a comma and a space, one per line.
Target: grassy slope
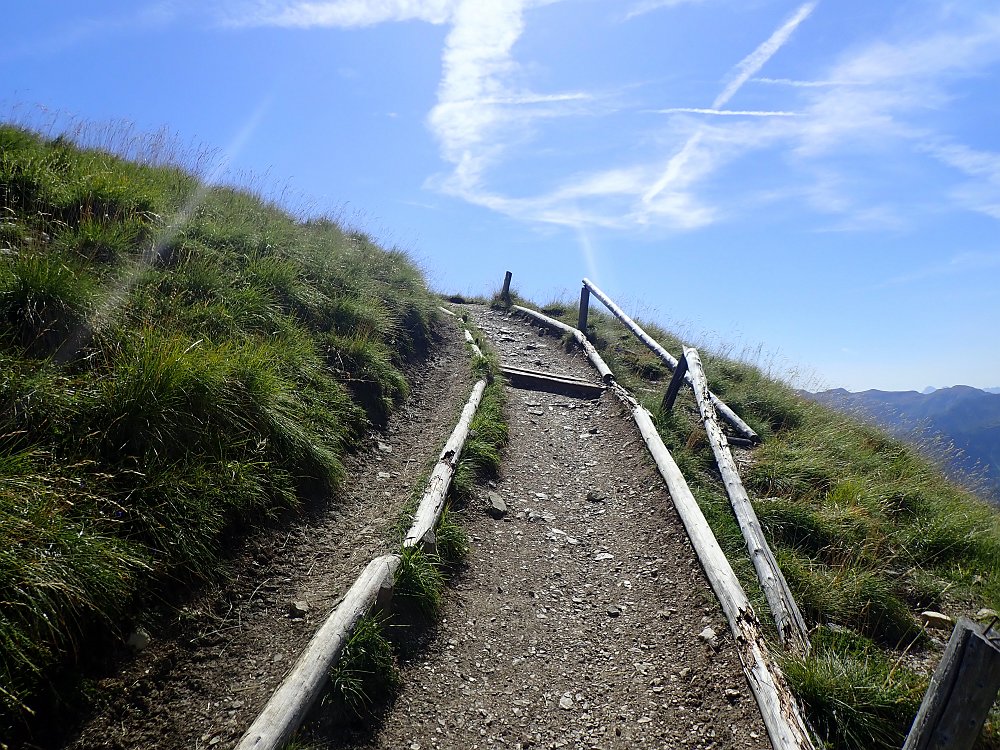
176, 361
868, 532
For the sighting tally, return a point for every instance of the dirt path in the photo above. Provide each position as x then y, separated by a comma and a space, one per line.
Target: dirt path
578, 620
211, 667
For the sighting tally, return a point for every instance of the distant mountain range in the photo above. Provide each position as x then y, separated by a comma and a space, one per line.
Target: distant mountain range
968, 420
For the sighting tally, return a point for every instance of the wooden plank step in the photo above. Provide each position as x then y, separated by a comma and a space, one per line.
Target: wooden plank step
544, 381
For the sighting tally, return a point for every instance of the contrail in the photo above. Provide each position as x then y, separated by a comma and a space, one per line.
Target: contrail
743, 70
724, 112
753, 62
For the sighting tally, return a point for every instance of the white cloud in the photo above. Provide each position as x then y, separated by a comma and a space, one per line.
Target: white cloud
872, 101
694, 160
981, 191
801, 84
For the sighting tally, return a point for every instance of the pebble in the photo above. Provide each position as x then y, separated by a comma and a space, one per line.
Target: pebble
566, 702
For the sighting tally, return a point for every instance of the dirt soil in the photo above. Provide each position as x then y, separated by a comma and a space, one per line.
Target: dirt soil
211, 665
580, 618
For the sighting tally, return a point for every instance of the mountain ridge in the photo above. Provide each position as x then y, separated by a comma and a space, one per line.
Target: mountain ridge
958, 425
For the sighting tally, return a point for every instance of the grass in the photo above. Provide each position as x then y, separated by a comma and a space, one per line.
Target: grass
868, 532
178, 362
366, 671
419, 582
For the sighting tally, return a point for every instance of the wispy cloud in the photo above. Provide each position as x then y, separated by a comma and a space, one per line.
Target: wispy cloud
339, 13
981, 190
873, 100
722, 112
694, 161
801, 84
961, 264
648, 6
479, 109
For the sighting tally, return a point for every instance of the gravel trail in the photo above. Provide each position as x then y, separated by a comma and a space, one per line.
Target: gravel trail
582, 618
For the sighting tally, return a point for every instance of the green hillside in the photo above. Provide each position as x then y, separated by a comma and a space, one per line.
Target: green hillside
176, 362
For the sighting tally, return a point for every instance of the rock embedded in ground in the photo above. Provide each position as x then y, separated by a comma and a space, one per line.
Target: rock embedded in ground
496, 506
709, 637
139, 639
936, 620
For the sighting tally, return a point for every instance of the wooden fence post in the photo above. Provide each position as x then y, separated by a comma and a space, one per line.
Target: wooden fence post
584, 309
668, 359
961, 692
505, 292
675, 385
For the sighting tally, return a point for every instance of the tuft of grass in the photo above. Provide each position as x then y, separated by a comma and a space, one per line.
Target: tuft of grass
854, 695
482, 454
452, 541
366, 672
419, 582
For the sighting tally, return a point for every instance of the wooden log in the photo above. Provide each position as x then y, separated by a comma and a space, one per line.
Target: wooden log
446, 311
675, 385
961, 692
432, 503
584, 309
553, 383
668, 359
783, 720
791, 627
592, 353
505, 292
297, 693
472, 342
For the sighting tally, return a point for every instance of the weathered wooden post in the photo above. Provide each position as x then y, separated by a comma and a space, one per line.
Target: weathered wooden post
675, 385
505, 292
961, 692
584, 309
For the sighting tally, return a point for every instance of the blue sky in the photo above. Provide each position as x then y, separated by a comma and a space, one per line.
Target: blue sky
819, 179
